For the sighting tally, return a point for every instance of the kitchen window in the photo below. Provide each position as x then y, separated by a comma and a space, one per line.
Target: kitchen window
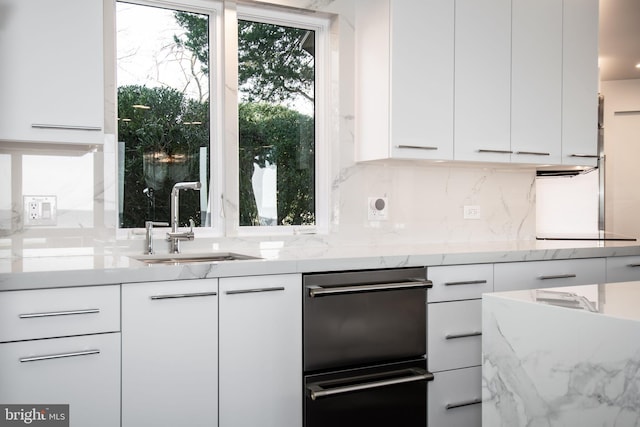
170, 125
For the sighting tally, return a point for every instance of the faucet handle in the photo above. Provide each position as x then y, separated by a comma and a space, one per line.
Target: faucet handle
192, 224
151, 224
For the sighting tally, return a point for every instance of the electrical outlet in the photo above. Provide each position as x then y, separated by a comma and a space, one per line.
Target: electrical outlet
471, 212
39, 210
378, 209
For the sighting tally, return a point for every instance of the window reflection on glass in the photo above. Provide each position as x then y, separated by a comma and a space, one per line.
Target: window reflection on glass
163, 112
276, 124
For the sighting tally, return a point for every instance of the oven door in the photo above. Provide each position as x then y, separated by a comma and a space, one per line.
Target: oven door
385, 395
357, 318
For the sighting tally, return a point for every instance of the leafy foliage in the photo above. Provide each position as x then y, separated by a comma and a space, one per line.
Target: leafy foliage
156, 141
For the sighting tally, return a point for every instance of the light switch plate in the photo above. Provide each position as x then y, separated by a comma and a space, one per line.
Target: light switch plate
471, 212
40, 210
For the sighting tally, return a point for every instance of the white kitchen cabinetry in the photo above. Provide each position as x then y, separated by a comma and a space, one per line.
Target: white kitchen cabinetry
404, 68
261, 351
536, 81
548, 274
454, 342
170, 353
75, 359
580, 82
482, 80
51, 74
623, 269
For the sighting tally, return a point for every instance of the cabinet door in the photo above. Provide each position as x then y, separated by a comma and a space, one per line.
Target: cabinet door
170, 353
261, 351
548, 274
422, 79
458, 282
580, 82
83, 372
51, 73
482, 80
455, 398
536, 81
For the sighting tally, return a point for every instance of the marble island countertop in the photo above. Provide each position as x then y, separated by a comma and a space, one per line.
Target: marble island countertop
562, 356
52, 267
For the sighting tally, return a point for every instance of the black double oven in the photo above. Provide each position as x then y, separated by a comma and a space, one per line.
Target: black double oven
365, 348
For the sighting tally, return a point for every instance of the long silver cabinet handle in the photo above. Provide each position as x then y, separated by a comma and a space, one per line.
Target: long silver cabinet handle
533, 153
463, 403
586, 156
59, 356
59, 313
66, 127
633, 265
316, 390
462, 335
318, 291
416, 147
467, 282
193, 295
482, 150
255, 291
557, 276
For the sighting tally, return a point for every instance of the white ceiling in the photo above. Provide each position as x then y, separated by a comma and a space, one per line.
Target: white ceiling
619, 50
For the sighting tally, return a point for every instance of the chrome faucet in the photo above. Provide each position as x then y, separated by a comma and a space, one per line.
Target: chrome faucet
174, 236
148, 225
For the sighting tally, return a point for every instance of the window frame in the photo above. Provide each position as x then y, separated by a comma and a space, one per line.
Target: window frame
224, 143
320, 24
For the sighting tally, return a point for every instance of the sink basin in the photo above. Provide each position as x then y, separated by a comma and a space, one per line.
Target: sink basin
191, 258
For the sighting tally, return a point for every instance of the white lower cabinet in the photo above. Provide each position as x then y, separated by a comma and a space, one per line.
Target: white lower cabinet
81, 371
455, 398
261, 351
549, 274
170, 353
623, 269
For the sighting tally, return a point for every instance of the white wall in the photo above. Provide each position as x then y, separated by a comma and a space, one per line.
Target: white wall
622, 151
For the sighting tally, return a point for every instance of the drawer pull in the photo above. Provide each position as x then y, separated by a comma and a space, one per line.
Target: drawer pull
463, 403
558, 276
416, 147
59, 356
254, 291
586, 156
366, 382
633, 265
318, 291
482, 150
174, 296
65, 127
462, 335
533, 153
468, 282
59, 313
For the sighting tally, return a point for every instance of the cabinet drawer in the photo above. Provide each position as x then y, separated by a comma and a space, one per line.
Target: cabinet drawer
453, 338
623, 269
45, 313
456, 282
83, 372
548, 274
455, 398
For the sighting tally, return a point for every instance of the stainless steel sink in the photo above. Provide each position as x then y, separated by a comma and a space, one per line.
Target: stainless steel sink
191, 258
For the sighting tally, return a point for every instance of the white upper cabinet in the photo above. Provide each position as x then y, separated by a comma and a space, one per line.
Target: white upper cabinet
580, 82
482, 80
404, 79
51, 73
536, 81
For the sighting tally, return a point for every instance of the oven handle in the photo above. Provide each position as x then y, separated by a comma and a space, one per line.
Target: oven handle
317, 391
319, 291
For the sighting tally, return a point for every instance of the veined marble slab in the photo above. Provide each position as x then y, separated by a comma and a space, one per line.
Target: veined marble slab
562, 357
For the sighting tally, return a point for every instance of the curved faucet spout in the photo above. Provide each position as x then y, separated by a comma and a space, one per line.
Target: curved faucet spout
174, 237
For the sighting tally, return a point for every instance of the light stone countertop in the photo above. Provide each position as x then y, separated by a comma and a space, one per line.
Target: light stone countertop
83, 266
